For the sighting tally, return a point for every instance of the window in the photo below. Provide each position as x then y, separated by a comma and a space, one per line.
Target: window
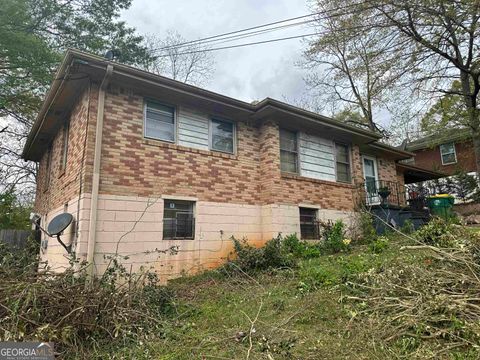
222, 136
342, 163
178, 220
159, 121
447, 151
288, 151
48, 166
66, 131
309, 226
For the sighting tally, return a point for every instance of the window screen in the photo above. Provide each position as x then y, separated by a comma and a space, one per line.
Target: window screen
159, 121
178, 220
288, 151
343, 163
222, 135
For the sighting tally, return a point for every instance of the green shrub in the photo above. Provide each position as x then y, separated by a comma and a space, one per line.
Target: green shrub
367, 229
249, 258
438, 232
407, 227
301, 249
334, 237
378, 245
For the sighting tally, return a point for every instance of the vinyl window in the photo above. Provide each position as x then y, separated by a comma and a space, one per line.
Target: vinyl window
342, 157
178, 220
159, 121
288, 151
447, 151
222, 136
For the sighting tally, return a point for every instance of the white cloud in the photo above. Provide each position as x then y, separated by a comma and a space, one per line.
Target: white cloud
247, 73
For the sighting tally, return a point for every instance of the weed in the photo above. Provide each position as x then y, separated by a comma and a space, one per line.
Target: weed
250, 259
334, 237
379, 245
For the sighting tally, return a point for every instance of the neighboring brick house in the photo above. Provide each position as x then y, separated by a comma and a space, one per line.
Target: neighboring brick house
448, 153
143, 162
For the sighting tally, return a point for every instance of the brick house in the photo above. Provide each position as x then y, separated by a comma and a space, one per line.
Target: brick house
446, 153
143, 162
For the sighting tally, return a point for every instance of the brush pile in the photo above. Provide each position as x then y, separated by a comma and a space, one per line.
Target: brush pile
434, 299
78, 315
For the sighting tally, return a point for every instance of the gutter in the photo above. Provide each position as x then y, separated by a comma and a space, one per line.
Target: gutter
96, 170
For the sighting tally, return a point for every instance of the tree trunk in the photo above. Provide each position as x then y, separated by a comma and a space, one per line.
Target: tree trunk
476, 149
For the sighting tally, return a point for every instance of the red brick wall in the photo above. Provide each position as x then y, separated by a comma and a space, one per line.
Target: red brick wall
431, 159
64, 183
134, 166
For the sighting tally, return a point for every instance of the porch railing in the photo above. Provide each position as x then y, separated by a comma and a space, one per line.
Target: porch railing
382, 192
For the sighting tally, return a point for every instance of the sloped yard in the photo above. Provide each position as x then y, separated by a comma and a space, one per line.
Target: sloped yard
393, 297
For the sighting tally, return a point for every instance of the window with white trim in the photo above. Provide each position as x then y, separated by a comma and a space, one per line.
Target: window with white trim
447, 152
342, 157
288, 151
178, 220
222, 136
159, 121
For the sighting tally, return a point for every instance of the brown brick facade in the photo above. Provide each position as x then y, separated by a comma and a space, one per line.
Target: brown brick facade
134, 166
57, 185
430, 158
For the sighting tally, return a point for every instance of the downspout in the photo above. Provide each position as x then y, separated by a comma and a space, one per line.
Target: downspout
96, 170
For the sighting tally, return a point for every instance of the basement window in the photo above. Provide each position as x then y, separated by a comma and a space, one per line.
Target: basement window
309, 225
447, 151
178, 220
288, 151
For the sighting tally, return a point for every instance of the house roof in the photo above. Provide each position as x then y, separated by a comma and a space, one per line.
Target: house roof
77, 67
430, 141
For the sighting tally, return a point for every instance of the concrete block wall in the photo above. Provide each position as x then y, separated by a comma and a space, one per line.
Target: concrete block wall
54, 255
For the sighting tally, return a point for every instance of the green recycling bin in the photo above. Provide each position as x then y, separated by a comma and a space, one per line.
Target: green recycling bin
441, 205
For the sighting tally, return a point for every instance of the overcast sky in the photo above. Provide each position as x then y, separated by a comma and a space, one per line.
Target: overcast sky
247, 73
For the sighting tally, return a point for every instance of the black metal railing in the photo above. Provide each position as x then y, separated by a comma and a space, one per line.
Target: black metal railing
382, 192
417, 195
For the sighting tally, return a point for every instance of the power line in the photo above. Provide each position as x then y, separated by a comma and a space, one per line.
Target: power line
242, 36
225, 36
242, 45
257, 42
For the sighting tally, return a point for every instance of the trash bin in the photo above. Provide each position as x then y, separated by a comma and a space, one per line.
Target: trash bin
441, 205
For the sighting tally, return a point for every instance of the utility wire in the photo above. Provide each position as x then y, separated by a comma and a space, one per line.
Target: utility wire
256, 42
242, 45
224, 35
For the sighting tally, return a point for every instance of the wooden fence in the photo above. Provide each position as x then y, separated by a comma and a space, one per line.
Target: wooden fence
15, 238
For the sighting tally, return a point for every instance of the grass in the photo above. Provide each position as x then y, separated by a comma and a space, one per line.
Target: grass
280, 314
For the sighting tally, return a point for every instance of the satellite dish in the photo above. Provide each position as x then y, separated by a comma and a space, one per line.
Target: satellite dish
57, 225
112, 54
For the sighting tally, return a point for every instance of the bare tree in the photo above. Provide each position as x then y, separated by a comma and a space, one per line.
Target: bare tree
444, 38
353, 63
179, 59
